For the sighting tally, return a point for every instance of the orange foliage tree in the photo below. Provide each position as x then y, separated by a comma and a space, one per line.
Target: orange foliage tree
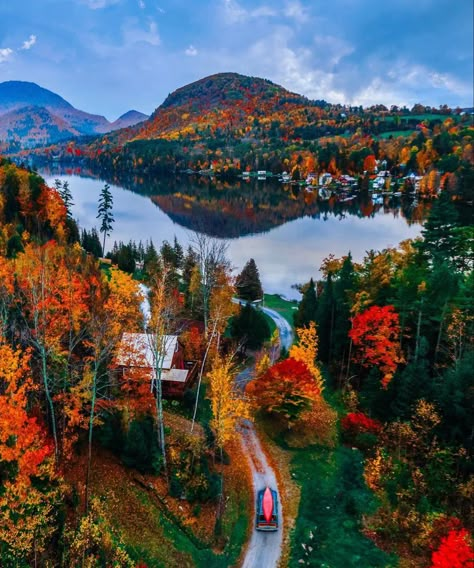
375, 335
26, 502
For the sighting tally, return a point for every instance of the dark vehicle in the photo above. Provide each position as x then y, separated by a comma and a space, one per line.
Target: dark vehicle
267, 510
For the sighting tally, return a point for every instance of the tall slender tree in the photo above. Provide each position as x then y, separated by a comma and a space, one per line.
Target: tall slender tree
63, 189
105, 213
307, 308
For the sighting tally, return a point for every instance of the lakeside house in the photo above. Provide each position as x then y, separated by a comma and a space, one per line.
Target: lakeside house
145, 353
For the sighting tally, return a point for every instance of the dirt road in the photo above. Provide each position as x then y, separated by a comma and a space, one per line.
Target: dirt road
264, 548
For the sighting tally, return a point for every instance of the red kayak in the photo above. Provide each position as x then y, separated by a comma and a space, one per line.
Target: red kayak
267, 505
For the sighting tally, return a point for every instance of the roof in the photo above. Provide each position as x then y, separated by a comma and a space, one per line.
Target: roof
140, 350
175, 375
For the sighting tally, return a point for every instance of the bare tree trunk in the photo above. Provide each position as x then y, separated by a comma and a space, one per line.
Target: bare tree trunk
418, 328
440, 333
49, 399
91, 427
201, 372
161, 423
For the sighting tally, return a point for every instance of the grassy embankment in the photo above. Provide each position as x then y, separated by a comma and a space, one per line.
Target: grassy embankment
327, 529
167, 532
286, 308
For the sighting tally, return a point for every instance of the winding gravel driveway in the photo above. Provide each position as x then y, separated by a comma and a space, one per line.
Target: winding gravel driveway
264, 548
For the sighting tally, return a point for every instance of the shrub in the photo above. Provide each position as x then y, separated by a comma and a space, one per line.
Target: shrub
359, 423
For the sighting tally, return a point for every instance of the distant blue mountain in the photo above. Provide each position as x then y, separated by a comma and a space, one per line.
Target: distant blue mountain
23, 104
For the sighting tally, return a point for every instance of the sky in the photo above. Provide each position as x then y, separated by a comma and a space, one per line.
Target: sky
110, 56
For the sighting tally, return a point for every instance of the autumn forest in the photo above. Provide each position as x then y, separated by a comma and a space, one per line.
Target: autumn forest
144, 386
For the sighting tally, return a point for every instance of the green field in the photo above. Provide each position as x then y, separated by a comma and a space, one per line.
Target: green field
334, 499
286, 308
396, 133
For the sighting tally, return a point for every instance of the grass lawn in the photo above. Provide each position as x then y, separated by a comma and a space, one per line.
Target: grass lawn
396, 133
286, 308
334, 498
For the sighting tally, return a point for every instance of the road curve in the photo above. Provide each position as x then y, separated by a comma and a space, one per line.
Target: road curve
286, 332
264, 548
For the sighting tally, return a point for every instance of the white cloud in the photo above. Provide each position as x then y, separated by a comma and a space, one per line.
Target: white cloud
234, 13
191, 51
29, 43
331, 49
5, 54
133, 34
296, 11
293, 68
98, 4
141, 4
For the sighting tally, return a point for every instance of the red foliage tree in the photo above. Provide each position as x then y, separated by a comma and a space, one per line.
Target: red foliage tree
287, 389
375, 335
454, 551
359, 423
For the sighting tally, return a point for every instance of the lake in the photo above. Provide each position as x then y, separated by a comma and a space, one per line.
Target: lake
287, 230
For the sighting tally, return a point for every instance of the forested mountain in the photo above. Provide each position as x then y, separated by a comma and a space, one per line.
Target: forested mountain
31, 115
229, 123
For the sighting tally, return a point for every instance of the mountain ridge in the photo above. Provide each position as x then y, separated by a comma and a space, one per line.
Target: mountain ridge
19, 104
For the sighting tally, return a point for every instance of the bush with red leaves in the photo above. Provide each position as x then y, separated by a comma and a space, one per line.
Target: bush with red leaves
359, 423
454, 551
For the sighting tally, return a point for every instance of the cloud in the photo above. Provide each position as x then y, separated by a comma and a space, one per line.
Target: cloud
235, 13
191, 51
133, 34
5, 54
141, 4
296, 11
29, 43
98, 4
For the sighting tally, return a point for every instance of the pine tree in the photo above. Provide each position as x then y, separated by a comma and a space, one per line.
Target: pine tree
439, 233
343, 288
307, 309
248, 283
324, 319
105, 212
251, 327
66, 195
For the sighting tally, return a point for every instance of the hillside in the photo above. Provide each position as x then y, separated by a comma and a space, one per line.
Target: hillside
32, 125
31, 115
129, 118
224, 103
15, 94
228, 123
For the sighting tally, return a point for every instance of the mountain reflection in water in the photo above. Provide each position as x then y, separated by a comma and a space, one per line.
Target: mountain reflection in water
237, 208
286, 229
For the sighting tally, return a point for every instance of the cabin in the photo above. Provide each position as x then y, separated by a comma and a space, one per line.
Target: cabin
146, 352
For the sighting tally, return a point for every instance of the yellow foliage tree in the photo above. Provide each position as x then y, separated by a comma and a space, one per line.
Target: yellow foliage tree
306, 351
227, 405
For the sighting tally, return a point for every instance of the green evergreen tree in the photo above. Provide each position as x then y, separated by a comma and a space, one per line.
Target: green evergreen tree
250, 327
248, 283
125, 259
63, 189
344, 290
307, 309
178, 254
439, 233
105, 212
324, 320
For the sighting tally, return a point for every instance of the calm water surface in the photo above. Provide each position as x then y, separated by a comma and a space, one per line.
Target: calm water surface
287, 231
